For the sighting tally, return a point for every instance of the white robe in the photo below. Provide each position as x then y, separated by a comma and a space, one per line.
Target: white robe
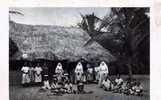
38, 76
103, 72
25, 74
59, 69
79, 69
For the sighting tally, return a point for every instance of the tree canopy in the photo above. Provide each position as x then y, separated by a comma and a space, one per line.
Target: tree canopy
124, 32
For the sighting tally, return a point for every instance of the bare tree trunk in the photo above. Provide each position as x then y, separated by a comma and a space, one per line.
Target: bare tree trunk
130, 69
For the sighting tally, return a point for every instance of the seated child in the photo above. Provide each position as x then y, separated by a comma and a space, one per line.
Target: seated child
118, 83
80, 87
115, 88
68, 87
106, 84
130, 85
137, 89
125, 88
54, 84
46, 83
57, 88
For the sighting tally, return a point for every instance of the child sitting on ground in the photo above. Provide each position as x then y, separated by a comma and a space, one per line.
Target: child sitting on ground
68, 87
54, 84
80, 87
119, 80
46, 85
118, 84
125, 88
57, 88
137, 89
46, 82
106, 84
54, 87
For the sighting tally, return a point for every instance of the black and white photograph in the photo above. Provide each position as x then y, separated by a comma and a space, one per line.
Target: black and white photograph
79, 53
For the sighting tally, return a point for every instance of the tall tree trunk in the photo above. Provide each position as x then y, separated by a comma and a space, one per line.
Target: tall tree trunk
129, 64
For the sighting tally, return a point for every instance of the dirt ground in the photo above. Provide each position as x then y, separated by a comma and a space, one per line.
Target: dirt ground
17, 92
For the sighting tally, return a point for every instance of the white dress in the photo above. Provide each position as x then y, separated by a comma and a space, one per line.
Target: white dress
25, 74
59, 71
103, 72
79, 71
38, 76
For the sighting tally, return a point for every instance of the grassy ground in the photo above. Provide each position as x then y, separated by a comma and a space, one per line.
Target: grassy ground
32, 93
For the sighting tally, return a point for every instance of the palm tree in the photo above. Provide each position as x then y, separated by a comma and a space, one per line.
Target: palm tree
127, 35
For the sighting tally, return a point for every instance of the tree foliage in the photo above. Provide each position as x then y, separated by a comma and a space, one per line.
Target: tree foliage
124, 32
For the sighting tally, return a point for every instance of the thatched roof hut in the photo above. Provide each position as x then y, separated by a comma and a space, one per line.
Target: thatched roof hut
55, 42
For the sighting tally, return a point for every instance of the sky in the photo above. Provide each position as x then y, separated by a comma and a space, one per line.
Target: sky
55, 16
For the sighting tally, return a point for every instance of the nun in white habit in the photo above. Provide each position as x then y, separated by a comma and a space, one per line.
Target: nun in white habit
79, 71
59, 69
103, 72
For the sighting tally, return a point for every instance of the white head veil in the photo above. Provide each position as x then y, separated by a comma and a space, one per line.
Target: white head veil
59, 68
103, 67
79, 68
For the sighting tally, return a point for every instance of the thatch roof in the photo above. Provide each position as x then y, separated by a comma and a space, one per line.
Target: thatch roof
55, 42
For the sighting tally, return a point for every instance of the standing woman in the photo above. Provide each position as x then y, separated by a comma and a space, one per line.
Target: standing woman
59, 72
25, 75
78, 72
59, 69
38, 76
103, 72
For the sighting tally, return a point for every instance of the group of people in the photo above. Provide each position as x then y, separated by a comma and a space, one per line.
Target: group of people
61, 83
118, 85
31, 74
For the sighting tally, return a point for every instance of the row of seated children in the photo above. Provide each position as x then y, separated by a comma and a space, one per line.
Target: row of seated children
61, 88
119, 86
64, 87
58, 87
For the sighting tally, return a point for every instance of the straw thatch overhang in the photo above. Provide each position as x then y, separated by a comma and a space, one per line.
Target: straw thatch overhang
55, 43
